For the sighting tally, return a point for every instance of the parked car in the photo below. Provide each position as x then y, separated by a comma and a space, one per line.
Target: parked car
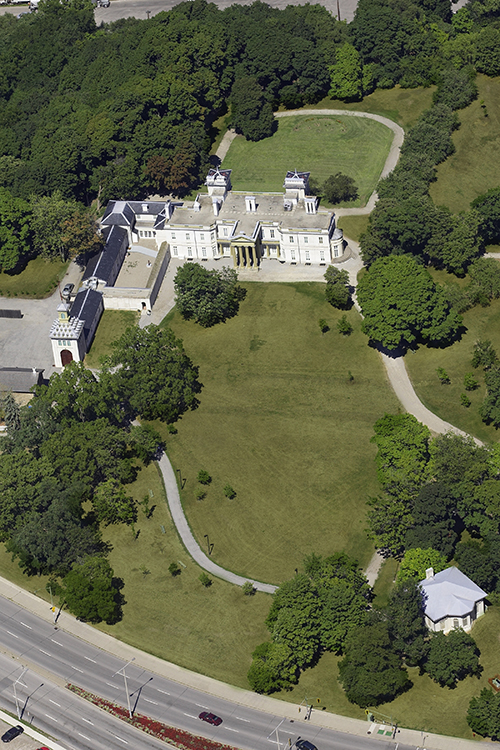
66, 292
12, 733
210, 718
305, 745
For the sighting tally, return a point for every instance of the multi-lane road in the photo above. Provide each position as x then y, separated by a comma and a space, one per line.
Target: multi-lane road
54, 658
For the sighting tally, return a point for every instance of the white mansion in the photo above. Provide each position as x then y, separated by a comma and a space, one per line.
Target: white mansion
289, 227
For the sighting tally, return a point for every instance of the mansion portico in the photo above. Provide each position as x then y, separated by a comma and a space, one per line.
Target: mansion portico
288, 227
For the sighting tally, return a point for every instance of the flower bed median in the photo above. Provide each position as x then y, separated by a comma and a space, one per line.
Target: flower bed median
176, 737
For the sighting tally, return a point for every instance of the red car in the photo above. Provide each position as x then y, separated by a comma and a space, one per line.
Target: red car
210, 718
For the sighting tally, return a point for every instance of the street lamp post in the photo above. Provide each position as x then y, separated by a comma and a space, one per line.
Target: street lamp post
25, 669
122, 672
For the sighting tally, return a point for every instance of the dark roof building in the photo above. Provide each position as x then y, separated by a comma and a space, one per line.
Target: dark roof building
20, 379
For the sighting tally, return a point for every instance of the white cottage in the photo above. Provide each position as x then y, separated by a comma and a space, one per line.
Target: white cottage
452, 600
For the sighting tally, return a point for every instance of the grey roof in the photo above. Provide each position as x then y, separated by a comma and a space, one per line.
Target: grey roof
118, 212
86, 306
154, 207
101, 265
450, 594
19, 379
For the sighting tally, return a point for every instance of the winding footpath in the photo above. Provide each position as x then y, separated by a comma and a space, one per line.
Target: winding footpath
395, 366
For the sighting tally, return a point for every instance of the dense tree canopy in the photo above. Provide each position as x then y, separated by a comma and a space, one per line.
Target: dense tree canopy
90, 591
402, 306
207, 297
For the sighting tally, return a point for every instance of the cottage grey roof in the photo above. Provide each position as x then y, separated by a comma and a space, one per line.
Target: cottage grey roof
118, 212
450, 594
101, 265
19, 379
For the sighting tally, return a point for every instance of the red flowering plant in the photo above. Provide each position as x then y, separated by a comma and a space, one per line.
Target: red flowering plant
177, 737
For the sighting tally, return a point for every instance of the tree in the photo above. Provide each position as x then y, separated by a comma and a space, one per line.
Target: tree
251, 114
48, 214
405, 618
389, 520
483, 715
112, 505
15, 234
479, 561
273, 668
91, 593
337, 291
146, 442
452, 658
154, 376
11, 411
340, 188
79, 237
207, 297
435, 520
490, 408
485, 280
371, 672
484, 355
460, 246
402, 306
403, 454
204, 477
416, 561
488, 208
346, 75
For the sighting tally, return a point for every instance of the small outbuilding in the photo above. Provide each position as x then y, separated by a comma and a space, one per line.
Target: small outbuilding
451, 600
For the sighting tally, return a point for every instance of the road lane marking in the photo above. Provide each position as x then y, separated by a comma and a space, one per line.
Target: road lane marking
84, 736
119, 738
190, 715
148, 701
199, 705
56, 642
75, 668
15, 636
51, 718
55, 704
87, 720
44, 652
89, 659
26, 626
163, 691
240, 719
113, 686
231, 730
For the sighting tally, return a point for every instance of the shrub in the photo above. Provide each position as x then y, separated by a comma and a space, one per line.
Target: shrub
443, 376
205, 580
323, 325
344, 327
248, 588
229, 492
204, 477
174, 569
470, 382
200, 493
465, 400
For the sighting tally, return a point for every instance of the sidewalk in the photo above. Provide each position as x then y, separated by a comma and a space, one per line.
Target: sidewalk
210, 686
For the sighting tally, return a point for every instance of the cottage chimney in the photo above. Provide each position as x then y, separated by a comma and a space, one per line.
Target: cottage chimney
215, 204
429, 574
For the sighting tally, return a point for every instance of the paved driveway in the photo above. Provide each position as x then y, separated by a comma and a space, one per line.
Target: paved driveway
24, 342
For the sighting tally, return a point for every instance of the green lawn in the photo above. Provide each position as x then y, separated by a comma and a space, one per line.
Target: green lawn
37, 280
111, 326
474, 167
282, 423
444, 400
212, 631
353, 226
385, 582
321, 145
404, 106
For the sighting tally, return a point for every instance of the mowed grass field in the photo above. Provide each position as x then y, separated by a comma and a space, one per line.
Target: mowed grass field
36, 281
474, 168
112, 325
321, 145
281, 421
444, 400
404, 106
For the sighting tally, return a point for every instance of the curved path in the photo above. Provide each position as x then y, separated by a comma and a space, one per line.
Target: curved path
395, 367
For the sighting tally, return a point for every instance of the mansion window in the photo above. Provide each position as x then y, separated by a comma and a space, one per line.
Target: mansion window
224, 231
306, 240
174, 249
190, 252
322, 256
173, 235
271, 233
321, 240
293, 255
64, 343
187, 236
308, 256
204, 252
202, 237
292, 239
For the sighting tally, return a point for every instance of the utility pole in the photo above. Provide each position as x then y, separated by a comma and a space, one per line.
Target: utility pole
122, 672
25, 669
